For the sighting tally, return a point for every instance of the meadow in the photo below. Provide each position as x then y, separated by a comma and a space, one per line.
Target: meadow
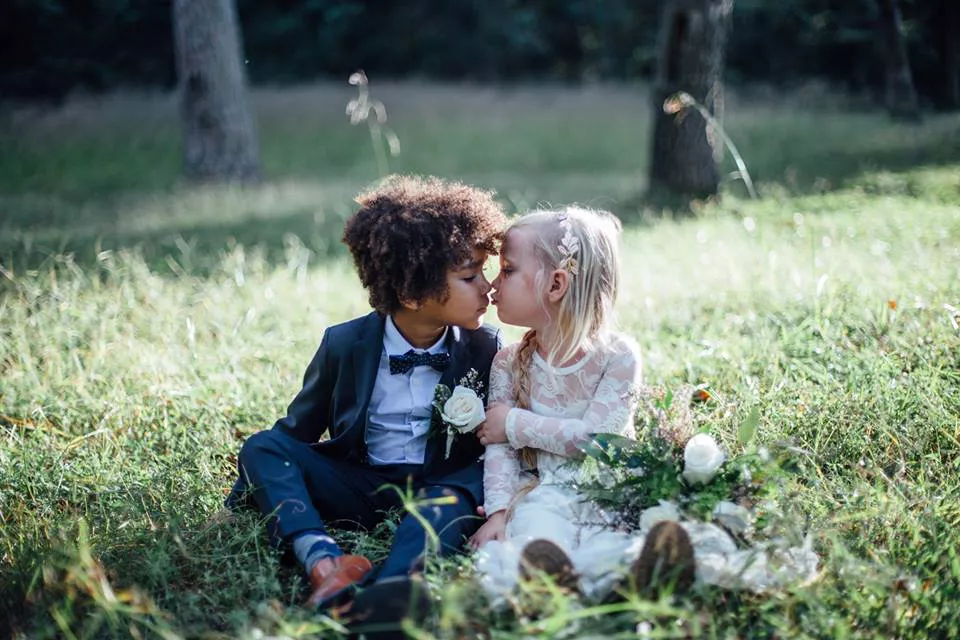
148, 326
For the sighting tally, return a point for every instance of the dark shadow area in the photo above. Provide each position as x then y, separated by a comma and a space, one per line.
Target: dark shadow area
298, 237
648, 206
823, 165
793, 168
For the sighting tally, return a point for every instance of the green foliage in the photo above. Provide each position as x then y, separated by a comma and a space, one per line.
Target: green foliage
640, 473
748, 429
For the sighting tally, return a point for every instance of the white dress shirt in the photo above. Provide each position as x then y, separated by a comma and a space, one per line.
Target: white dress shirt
401, 403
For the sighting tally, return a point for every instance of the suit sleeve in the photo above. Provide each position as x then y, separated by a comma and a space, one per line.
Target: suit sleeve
308, 416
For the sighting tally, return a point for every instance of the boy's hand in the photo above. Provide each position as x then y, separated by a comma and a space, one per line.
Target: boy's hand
494, 430
493, 529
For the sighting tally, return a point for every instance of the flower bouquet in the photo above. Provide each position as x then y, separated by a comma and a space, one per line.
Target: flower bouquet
725, 500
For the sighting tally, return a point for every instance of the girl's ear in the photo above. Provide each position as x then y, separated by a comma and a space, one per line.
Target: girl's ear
559, 283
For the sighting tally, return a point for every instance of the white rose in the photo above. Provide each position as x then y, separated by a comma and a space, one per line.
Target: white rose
666, 510
701, 458
734, 517
463, 410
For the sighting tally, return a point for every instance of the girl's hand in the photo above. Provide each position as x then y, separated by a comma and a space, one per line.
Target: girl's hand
494, 430
493, 529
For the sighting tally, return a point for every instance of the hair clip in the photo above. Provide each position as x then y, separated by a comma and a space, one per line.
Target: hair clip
569, 247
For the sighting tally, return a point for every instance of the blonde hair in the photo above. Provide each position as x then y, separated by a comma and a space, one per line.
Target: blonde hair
585, 315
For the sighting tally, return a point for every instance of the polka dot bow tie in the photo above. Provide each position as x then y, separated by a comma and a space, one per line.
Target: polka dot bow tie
411, 359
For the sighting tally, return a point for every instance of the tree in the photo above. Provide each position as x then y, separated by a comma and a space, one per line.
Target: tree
901, 96
692, 42
949, 18
219, 137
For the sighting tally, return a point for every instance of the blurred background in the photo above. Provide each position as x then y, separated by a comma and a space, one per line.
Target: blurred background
645, 108
51, 48
545, 102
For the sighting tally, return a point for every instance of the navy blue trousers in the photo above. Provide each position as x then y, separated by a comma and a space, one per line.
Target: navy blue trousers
301, 488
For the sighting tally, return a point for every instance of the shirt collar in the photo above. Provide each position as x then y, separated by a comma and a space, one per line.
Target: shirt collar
396, 345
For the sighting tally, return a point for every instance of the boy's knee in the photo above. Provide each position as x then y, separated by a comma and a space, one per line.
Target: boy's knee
450, 516
448, 511
444, 500
259, 443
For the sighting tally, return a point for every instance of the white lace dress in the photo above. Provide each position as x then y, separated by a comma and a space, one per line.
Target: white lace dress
598, 393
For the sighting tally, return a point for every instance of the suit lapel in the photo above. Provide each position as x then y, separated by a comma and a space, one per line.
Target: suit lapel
458, 342
366, 361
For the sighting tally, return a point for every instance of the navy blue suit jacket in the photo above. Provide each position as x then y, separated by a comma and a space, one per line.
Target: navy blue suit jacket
336, 394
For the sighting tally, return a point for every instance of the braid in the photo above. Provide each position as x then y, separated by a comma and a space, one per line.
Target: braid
521, 370
521, 384
521, 399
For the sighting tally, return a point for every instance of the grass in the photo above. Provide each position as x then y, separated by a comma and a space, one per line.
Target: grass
146, 328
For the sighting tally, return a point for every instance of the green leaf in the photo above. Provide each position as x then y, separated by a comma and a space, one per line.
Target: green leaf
748, 428
616, 441
667, 400
441, 393
607, 447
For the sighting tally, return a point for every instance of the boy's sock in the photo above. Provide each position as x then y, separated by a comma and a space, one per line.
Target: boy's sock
312, 546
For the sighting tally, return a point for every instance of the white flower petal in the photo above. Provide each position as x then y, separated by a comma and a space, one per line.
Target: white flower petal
702, 458
463, 410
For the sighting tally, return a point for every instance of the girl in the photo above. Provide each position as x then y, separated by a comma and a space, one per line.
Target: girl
572, 376
569, 377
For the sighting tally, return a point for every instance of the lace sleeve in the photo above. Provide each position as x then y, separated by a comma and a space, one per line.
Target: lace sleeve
611, 410
501, 466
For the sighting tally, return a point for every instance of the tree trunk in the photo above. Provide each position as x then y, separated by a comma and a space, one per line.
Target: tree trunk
949, 18
901, 96
219, 136
693, 38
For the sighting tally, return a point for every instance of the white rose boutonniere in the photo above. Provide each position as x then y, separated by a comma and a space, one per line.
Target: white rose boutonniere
460, 410
463, 411
702, 458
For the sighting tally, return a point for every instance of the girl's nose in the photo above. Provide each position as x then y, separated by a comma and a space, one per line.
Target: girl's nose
485, 284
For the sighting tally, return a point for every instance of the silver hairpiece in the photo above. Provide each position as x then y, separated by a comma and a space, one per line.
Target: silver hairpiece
569, 247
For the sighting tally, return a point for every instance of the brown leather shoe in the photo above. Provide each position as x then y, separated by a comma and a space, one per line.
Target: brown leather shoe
544, 557
666, 560
347, 571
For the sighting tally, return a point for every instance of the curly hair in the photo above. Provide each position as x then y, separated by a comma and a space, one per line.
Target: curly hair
410, 231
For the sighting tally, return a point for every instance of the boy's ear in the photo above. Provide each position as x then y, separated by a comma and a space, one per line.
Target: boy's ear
410, 305
559, 283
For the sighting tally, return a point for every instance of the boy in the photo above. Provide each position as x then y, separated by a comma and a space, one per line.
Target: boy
419, 246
